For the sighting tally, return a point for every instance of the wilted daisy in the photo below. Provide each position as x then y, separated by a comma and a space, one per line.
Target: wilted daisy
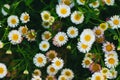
81, 2
114, 22
68, 73
105, 72
13, 21
52, 19
113, 74
63, 10
4, 12
25, 17
77, 17
111, 54
3, 70
60, 39
97, 76
46, 35
46, 24
67, 2
49, 77
44, 45
98, 32
39, 60
100, 39
83, 47
72, 32
1, 44
23, 30
94, 67
103, 26
109, 2
45, 16
111, 62
36, 72
108, 47
57, 63
86, 62
89, 55
31, 35
15, 37
51, 70
51, 54
94, 4
62, 77
87, 36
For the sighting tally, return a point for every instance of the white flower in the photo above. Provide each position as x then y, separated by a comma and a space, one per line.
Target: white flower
4, 12
60, 39
97, 76
46, 35
68, 73
51, 70
3, 70
113, 74
63, 10
67, 2
94, 4
111, 62
44, 45
57, 63
83, 47
109, 2
36, 78
13, 21
1, 44
46, 25
15, 37
23, 30
114, 22
72, 32
39, 60
111, 54
87, 36
86, 62
25, 17
62, 77
77, 17
98, 32
105, 72
81, 2
45, 16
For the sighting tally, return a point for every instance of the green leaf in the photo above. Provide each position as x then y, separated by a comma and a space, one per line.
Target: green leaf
28, 2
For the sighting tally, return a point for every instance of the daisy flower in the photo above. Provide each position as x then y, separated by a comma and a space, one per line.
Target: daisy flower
72, 32
51, 54
114, 22
77, 17
97, 76
60, 39
83, 47
31, 35
4, 12
57, 63
81, 2
66, 2
3, 70
98, 32
51, 70
13, 21
46, 35
23, 30
15, 37
63, 10
39, 60
1, 44
44, 45
52, 19
36, 72
111, 62
103, 26
111, 54
87, 36
89, 55
94, 4
108, 47
86, 62
94, 67
25, 17
45, 15
68, 73
62, 77
105, 72
46, 25
109, 2
113, 74
50, 77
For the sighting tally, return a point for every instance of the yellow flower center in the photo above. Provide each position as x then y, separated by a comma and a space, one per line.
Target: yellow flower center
116, 21
67, 2
50, 78
77, 17
97, 78
26, 17
61, 38
95, 3
83, 1
51, 55
52, 69
87, 62
1, 70
58, 63
24, 30
46, 16
47, 36
108, 1
44, 45
98, 32
109, 47
87, 38
13, 21
72, 32
84, 46
105, 71
15, 37
111, 60
103, 26
40, 59
63, 10
63, 78
67, 73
